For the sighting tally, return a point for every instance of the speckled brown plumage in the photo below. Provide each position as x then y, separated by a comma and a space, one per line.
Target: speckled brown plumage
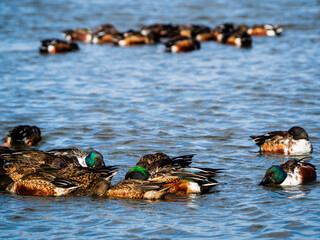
36, 157
137, 189
93, 181
42, 184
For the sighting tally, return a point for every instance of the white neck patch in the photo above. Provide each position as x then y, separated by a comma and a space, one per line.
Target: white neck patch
292, 179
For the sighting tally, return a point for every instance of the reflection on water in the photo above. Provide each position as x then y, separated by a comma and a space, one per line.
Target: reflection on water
127, 102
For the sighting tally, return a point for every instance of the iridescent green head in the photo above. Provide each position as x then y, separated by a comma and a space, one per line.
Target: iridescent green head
137, 172
94, 160
274, 175
298, 133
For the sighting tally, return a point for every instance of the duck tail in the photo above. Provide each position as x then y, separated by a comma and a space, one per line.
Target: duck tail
66, 183
259, 140
182, 161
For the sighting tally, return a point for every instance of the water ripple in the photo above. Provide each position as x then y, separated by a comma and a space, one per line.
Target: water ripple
127, 102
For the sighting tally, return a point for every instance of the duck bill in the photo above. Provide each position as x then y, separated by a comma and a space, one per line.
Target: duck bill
264, 182
6, 144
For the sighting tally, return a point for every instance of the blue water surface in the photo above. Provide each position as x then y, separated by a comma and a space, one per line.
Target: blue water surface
127, 102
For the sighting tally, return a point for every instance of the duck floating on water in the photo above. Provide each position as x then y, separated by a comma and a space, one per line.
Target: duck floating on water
132, 38
23, 135
201, 33
158, 176
79, 34
265, 30
291, 173
104, 34
181, 44
57, 46
92, 159
35, 172
295, 141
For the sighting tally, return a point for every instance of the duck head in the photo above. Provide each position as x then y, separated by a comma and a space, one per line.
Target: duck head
274, 175
94, 160
298, 133
137, 172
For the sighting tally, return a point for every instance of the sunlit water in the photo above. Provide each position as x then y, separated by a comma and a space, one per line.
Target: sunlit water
127, 102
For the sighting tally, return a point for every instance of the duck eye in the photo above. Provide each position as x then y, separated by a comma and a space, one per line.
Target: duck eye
95, 159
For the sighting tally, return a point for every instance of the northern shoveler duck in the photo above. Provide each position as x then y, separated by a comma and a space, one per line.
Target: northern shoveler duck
15, 170
163, 30
46, 181
15, 165
222, 32
157, 176
79, 34
42, 184
199, 32
28, 176
57, 158
292, 173
32, 178
295, 141
131, 38
57, 46
239, 39
180, 44
265, 30
104, 34
23, 135
92, 159
35, 157
179, 182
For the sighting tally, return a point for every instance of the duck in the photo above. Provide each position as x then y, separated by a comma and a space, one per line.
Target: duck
161, 164
181, 44
132, 37
164, 30
57, 46
104, 34
222, 32
79, 34
158, 176
265, 30
295, 141
91, 178
35, 157
291, 173
20, 171
41, 184
15, 165
138, 184
56, 158
239, 39
22, 136
47, 181
201, 33
90, 159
